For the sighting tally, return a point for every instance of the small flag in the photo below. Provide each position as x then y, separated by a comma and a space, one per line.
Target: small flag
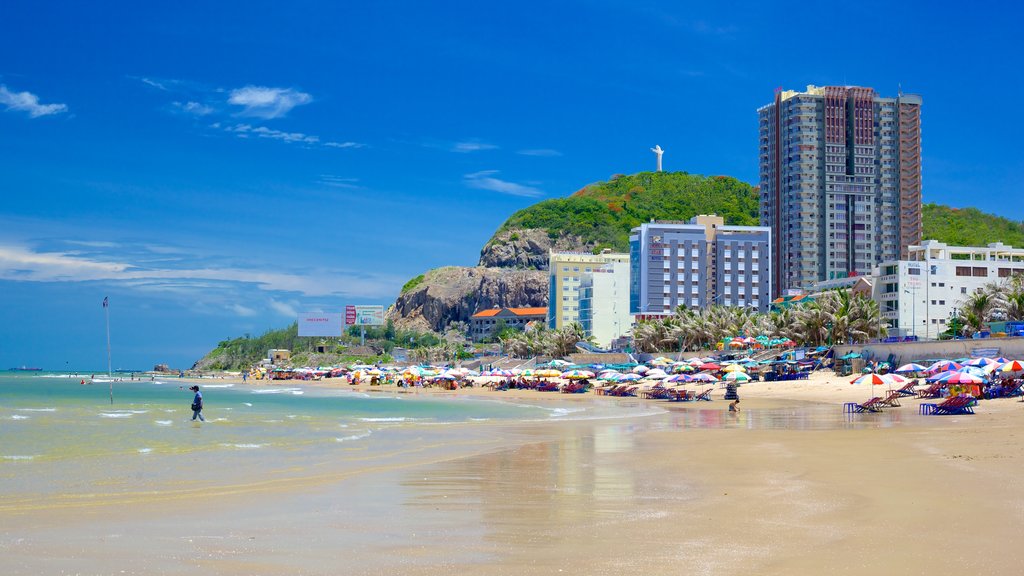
105, 304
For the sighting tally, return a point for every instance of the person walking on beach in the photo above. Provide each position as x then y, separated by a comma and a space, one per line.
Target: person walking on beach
197, 404
734, 406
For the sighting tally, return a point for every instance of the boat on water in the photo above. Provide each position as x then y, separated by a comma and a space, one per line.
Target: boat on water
25, 369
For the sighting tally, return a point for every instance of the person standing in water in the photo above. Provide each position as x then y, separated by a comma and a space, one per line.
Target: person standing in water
197, 404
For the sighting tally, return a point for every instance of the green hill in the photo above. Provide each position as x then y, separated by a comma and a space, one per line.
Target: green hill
969, 227
602, 214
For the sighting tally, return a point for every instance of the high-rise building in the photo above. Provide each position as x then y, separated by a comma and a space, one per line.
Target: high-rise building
566, 277
698, 264
840, 181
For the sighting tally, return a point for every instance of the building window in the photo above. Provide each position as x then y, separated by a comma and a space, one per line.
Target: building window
963, 270
963, 290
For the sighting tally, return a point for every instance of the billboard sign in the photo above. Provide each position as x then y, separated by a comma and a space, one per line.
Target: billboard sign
319, 324
369, 315
350, 315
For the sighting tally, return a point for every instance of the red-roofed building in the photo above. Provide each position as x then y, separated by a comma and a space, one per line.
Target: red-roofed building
485, 323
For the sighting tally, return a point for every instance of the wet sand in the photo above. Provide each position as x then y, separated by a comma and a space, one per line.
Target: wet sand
692, 491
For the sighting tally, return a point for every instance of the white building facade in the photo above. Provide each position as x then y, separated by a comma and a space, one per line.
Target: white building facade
566, 272
604, 303
920, 296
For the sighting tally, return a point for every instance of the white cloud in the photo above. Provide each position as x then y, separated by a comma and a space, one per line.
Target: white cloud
472, 146
485, 180
283, 308
194, 108
265, 102
544, 152
242, 310
250, 131
28, 102
344, 144
18, 263
247, 130
338, 181
159, 85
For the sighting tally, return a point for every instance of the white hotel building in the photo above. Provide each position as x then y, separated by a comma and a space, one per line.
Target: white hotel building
919, 296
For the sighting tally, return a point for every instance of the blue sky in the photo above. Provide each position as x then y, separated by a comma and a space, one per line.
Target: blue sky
214, 168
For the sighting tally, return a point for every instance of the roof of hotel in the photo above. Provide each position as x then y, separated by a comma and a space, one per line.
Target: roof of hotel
538, 311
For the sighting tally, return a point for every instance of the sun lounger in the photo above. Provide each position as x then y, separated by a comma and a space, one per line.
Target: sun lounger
873, 405
682, 396
955, 405
705, 395
908, 389
932, 391
892, 400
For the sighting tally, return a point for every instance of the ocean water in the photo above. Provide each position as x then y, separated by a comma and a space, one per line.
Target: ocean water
65, 443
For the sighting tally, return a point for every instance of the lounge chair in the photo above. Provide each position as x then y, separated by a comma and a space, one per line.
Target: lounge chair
955, 405
872, 405
705, 395
682, 396
892, 400
908, 389
932, 391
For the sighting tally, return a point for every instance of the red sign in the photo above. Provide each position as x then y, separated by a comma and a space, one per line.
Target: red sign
350, 315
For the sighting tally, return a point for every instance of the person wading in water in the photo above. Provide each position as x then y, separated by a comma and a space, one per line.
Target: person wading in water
197, 404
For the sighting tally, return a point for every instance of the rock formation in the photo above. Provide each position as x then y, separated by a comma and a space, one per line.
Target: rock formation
453, 294
525, 249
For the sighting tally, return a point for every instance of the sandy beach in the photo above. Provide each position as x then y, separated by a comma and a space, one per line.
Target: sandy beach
789, 485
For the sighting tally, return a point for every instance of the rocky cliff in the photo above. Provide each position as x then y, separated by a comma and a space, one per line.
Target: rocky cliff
526, 249
454, 293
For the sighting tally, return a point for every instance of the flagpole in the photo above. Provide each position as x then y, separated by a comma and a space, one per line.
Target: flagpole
110, 379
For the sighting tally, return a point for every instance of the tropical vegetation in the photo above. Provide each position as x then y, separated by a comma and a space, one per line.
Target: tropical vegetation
538, 340
969, 227
1002, 300
831, 318
602, 214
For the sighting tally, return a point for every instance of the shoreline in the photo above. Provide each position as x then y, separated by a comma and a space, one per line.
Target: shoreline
693, 490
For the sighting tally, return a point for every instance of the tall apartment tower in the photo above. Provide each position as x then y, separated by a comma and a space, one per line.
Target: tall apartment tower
840, 181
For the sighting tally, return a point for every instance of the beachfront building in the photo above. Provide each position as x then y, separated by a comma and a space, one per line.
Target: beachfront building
604, 303
697, 264
486, 323
840, 181
920, 295
566, 272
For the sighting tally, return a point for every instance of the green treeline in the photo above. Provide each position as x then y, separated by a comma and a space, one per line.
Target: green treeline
969, 227
602, 214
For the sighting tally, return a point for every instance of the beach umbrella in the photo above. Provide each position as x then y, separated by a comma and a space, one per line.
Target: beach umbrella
655, 373
739, 377
661, 360
552, 373
1001, 360
944, 366
641, 369
679, 378
630, 377
704, 377
1012, 366
941, 376
873, 379
965, 378
710, 366
577, 374
910, 368
737, 344
980, 362
896, 379
735, 368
